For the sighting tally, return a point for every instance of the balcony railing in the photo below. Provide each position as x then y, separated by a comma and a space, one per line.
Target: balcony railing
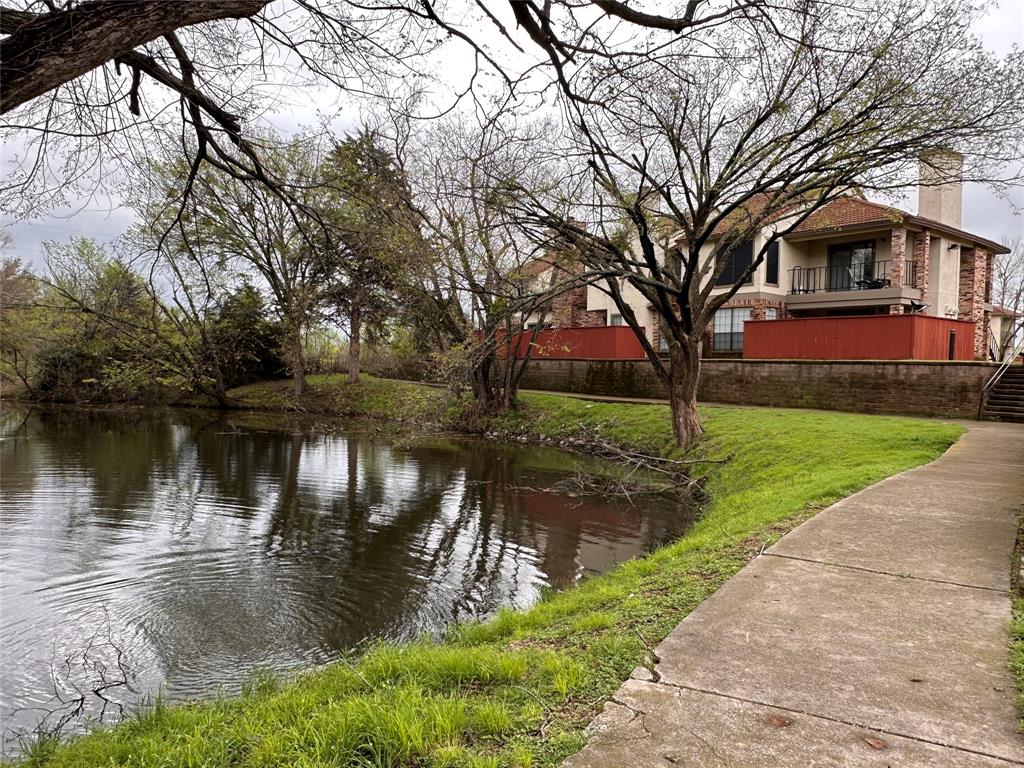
849, 277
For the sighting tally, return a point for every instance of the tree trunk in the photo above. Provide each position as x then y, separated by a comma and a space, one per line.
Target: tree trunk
298, 364
684, 373
220, 390
483, 392
510, 388
219, 394
508, 395
354, 344
45, 50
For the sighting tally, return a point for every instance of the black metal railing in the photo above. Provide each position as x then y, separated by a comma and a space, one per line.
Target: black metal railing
849, 277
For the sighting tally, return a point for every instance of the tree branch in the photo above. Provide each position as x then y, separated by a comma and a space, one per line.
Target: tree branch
44, 51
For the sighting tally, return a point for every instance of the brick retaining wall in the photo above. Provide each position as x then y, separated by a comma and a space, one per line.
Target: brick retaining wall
926, 388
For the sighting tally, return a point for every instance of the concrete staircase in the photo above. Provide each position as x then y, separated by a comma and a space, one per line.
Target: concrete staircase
1005, 401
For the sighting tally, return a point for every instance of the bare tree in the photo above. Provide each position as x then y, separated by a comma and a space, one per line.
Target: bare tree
45, 50
676, 155
480, 287
93, 86
99, 81
1008, 294
188, 291
717, 119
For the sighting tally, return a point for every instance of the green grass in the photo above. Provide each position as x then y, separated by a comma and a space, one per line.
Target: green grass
398, 401
1017, 621
518, 689
1017, 654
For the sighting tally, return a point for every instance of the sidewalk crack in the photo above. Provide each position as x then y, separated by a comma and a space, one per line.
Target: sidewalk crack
638, 714
864, 569
841, 721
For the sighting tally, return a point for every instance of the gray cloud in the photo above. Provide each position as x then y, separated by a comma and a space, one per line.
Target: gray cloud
984, 213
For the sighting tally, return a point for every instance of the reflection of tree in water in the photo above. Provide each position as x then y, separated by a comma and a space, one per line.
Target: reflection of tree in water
119, 452
252, 546
364, 536
16, 450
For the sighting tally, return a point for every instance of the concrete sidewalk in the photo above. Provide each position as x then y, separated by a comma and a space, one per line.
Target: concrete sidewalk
875, 634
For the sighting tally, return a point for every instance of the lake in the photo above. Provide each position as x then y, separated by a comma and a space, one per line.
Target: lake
177, 551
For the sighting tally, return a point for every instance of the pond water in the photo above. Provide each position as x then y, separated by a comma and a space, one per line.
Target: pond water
179, 551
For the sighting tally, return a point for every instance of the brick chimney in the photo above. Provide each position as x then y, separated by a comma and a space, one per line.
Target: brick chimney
939, 191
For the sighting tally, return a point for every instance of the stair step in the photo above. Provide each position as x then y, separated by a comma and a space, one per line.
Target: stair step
1005, 402
1003, 413
1012, 418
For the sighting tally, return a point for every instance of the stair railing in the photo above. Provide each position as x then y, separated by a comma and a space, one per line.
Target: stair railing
1017, 351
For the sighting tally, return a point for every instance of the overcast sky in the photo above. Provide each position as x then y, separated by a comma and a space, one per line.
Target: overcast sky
983, 212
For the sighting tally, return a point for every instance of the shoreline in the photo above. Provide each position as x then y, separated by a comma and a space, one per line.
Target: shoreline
518, 689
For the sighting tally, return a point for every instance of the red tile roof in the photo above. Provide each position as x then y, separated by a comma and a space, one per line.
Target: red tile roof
854, 211
753, 212
850, 212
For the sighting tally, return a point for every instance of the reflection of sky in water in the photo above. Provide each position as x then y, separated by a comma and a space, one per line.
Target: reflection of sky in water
208, 548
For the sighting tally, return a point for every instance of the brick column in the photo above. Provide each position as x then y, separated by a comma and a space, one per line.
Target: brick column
899, 256
922, 248
975, 267
989, 266
560, 311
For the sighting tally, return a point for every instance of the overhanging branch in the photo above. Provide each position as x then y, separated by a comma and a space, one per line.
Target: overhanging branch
43, 51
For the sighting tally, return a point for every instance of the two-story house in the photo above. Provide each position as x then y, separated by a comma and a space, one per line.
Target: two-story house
850, 257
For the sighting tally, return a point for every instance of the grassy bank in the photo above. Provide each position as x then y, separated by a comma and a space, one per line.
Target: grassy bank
1017, 622
517, 690
1017, 655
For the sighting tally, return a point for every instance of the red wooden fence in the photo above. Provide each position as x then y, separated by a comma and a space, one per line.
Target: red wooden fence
605, 342
870, 337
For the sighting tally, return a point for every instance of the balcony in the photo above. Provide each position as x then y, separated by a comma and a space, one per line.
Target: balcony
849, 277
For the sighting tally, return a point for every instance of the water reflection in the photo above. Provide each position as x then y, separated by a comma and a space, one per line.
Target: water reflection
210, 545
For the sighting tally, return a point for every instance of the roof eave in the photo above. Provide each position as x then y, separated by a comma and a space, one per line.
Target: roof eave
910, 220
839, 229
959, 234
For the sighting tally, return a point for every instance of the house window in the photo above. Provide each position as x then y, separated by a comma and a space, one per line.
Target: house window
728, 328
771, 262
738, 262
659, 327
771, 313
851, 265
615, 320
